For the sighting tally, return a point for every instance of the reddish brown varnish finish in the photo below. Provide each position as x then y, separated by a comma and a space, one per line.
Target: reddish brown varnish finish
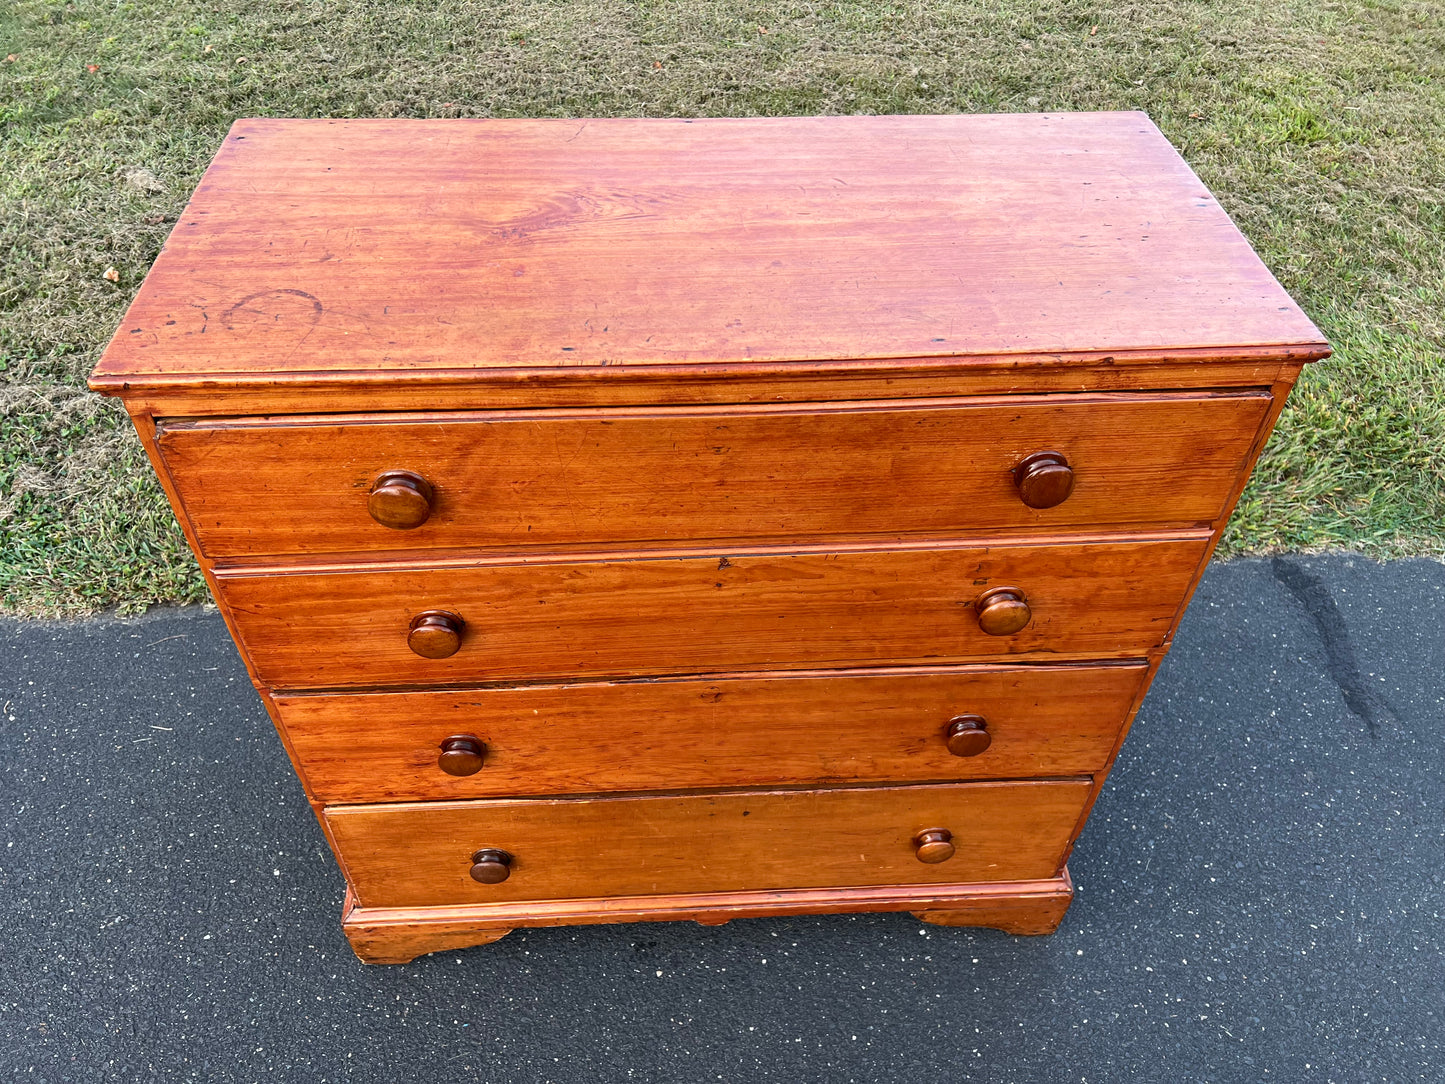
554, 479
744, 382
420, 854
540, 458
723, 731
397, 935
356, 246
705, 614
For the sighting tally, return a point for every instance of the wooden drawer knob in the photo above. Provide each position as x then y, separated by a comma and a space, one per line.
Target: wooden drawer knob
435, 634
491, 866
1044, 480
934, 845
967, 735
400, 500
462, 754
1003, 611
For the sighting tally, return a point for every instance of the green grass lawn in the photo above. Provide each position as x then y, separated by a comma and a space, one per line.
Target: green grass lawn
1321, 127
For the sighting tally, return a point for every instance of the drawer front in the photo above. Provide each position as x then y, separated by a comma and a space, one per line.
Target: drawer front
861, 726
420, 855
550, 478
709, 614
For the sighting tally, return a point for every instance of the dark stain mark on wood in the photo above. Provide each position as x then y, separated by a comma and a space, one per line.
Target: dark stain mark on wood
314, 311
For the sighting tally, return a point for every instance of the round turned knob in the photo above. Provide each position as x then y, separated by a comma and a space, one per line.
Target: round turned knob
1044, 480
462, 754
400, 500
491, 866
934, 845
1002, 611
967, 735
435, 634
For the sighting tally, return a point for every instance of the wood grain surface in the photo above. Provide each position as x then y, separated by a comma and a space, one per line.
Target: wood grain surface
703, 496
161, 396
397, 935
685, 615
753, 730
418, 854
546, 478
355, 246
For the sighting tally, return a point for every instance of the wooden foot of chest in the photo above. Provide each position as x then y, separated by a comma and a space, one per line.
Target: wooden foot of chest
397, 935
1035, 914
401, 942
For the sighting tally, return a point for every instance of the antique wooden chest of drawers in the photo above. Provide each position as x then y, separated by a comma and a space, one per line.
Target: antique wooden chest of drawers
664, 519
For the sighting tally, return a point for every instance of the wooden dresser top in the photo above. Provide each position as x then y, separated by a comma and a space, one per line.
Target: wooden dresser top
339, 249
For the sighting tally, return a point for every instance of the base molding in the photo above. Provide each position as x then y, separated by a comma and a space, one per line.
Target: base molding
396, 935
1028, 916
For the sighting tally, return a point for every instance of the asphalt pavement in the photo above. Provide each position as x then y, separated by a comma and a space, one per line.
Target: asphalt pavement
1259, 891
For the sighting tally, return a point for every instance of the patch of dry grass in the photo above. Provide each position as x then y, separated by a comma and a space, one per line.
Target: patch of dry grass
1320, 127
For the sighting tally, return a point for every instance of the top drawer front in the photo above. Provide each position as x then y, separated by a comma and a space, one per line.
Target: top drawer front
555, 478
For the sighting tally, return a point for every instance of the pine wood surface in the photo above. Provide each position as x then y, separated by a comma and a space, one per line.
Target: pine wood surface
163, 396
644, 609
418, 854
559, 479
413, 245
397, 935
726, 731
706, 614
